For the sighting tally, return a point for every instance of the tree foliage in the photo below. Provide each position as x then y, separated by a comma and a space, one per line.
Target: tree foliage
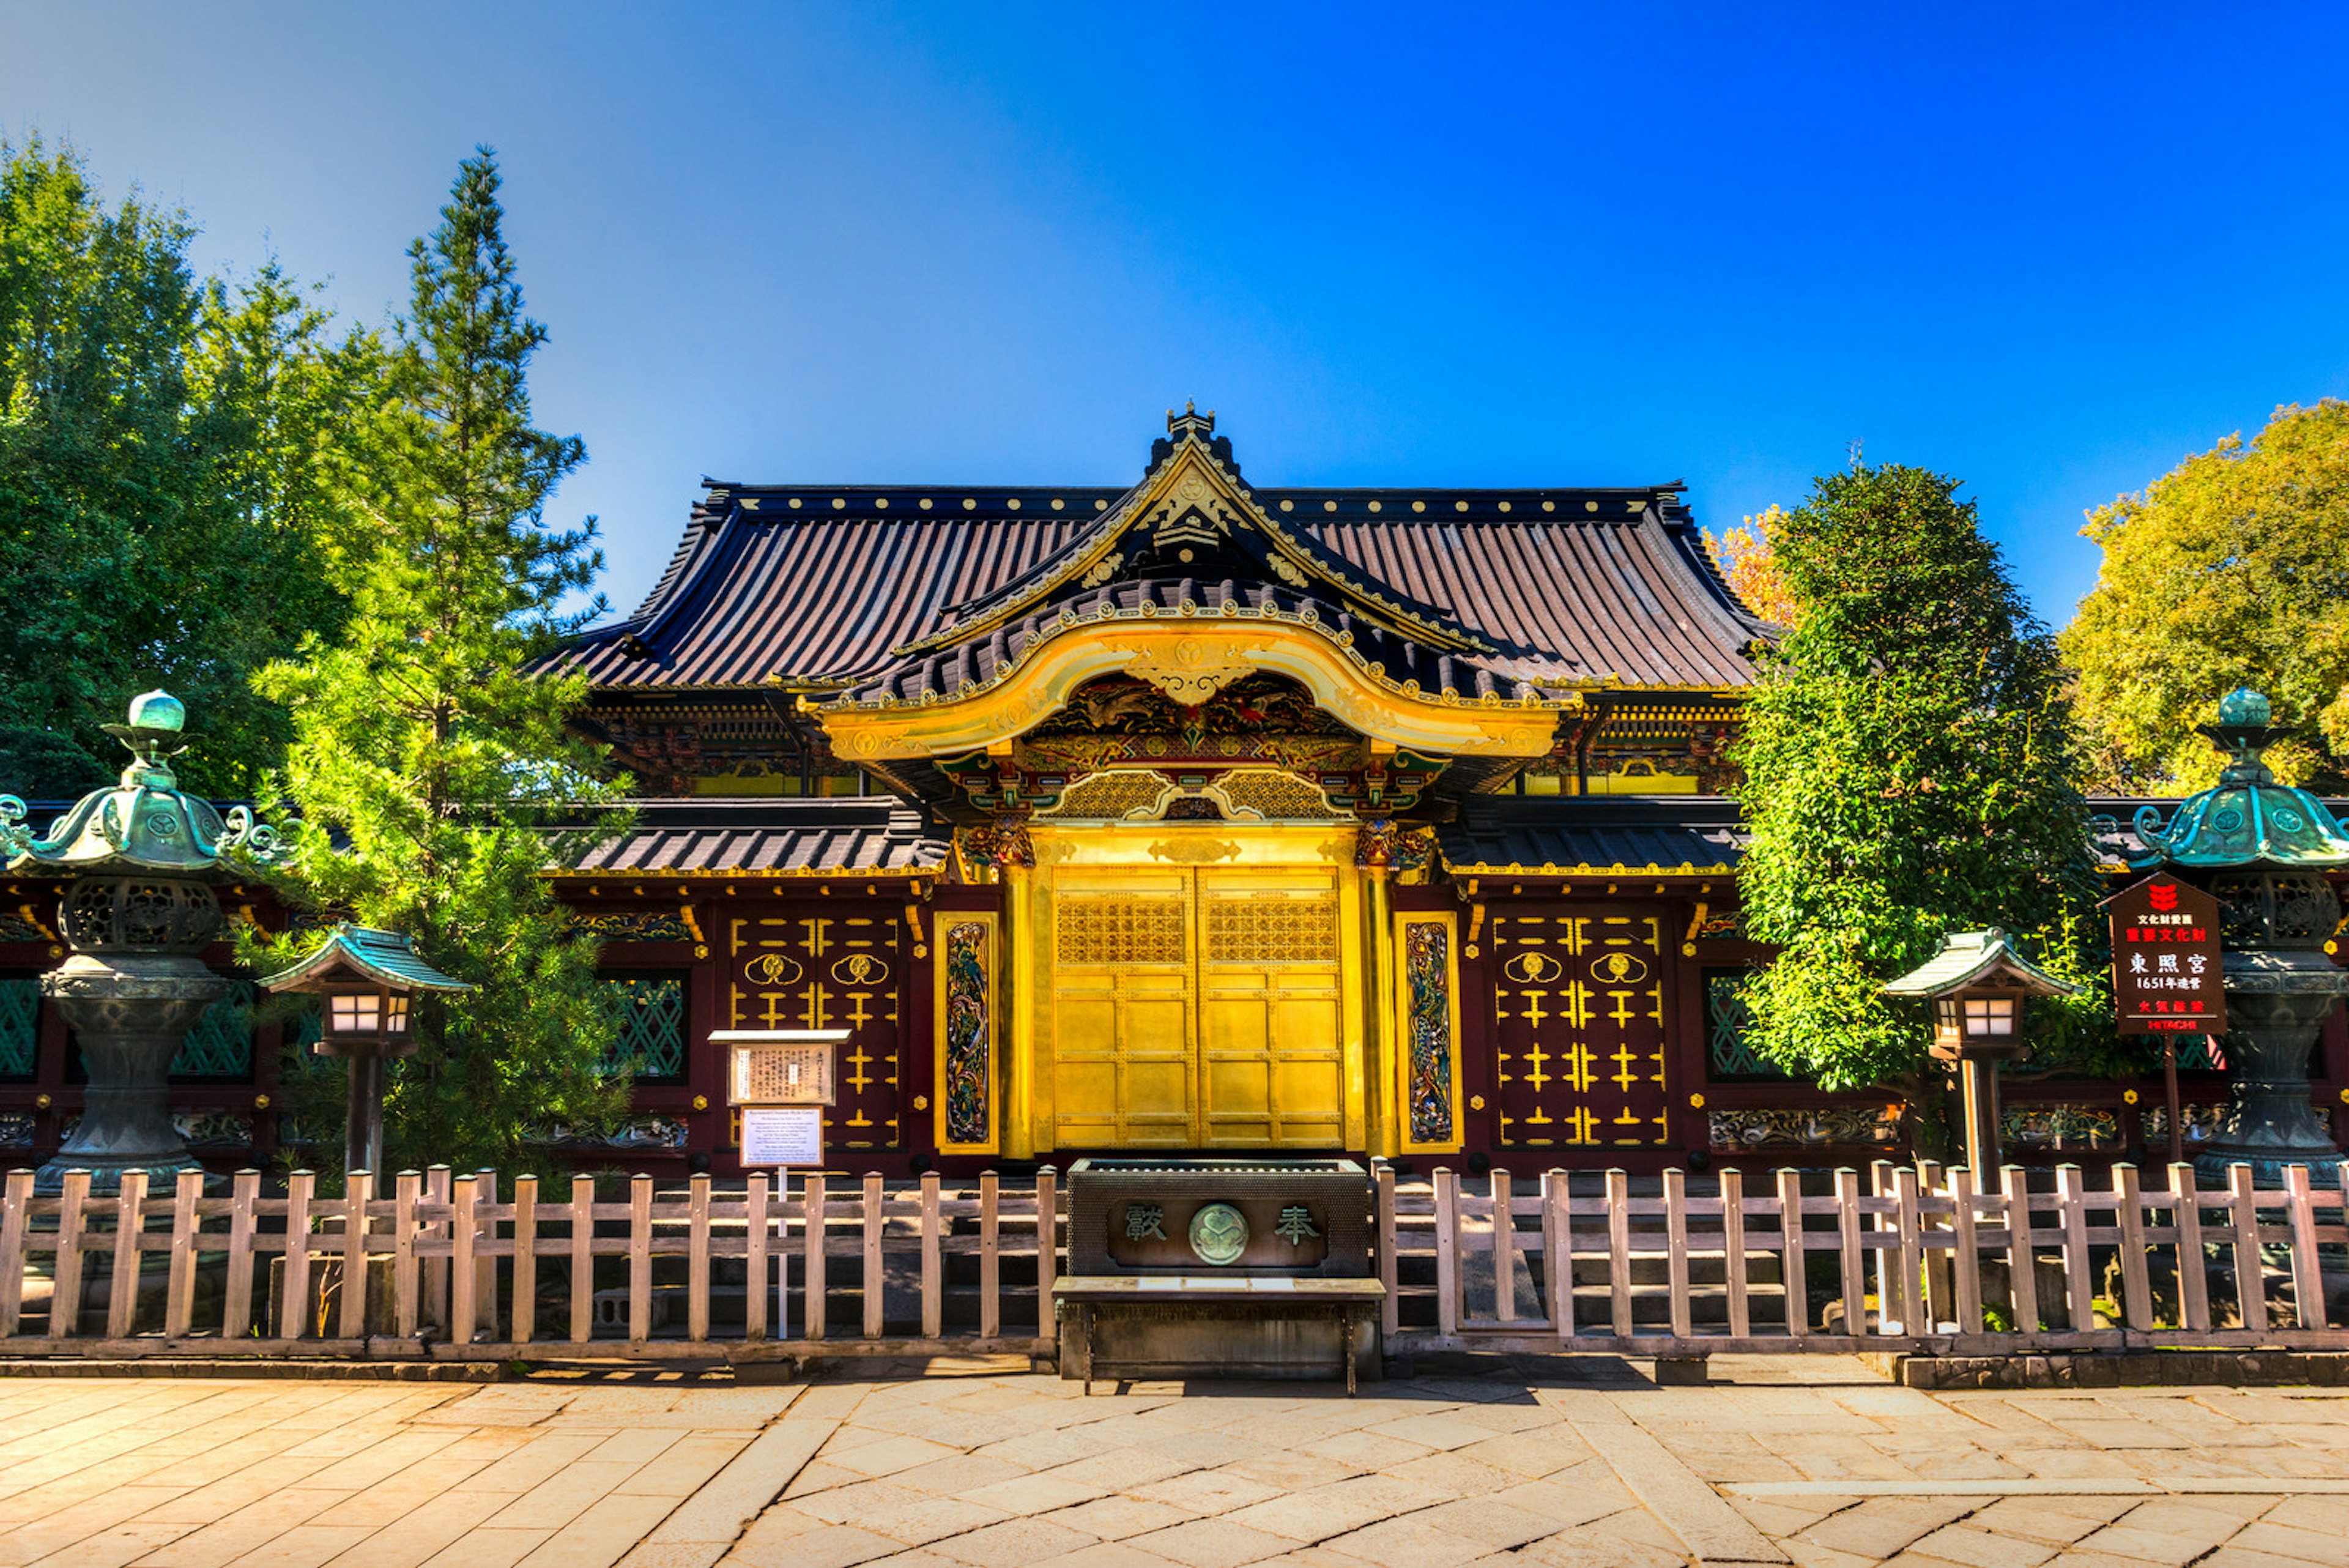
1747, 557
433, 771
2230, 570
1911, 769
167, 496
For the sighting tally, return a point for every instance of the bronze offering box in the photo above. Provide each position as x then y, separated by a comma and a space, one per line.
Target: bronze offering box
1219, 1268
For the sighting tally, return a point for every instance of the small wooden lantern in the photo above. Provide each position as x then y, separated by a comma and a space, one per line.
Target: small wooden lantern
365, 980
1978, 985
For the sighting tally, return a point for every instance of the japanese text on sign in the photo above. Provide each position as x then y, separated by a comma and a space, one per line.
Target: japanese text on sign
2167, 974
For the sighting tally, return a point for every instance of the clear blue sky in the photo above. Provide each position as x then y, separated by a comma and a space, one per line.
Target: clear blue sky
2047, 249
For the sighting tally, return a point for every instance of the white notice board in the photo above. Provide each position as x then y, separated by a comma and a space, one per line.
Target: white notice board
782, 1135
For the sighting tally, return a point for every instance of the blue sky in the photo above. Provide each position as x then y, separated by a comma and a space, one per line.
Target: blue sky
2047, 249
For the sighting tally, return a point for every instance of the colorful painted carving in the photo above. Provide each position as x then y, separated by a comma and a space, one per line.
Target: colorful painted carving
970, 1036
1428, 972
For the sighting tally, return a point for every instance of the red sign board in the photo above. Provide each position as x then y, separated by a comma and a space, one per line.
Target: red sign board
2166, 976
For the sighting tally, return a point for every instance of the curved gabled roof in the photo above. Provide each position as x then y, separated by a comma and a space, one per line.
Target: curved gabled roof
842, 587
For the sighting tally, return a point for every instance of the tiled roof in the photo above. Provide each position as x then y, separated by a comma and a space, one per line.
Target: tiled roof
767, 837
1582, 836
818, 584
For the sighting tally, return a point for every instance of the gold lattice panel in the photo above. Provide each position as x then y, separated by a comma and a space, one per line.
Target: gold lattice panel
1276, 796
1272, 929
1112, 794
1119, 931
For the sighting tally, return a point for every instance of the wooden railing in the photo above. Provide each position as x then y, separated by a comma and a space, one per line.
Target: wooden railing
1921, 1261
458, 1267
454, 1271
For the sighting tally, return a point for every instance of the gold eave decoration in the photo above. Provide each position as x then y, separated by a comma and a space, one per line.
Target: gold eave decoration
1191, 478
1552, 868
743, 873
1159, 649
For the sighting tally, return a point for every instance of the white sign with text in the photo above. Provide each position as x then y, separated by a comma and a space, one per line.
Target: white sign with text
782, 1135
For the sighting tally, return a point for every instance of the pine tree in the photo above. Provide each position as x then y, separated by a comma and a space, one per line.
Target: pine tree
432, 771
1911, 769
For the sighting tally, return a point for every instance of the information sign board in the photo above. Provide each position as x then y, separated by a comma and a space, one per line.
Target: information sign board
782, 1135
2166, 975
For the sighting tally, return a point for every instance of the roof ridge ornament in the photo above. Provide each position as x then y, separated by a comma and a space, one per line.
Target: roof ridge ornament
1190, 422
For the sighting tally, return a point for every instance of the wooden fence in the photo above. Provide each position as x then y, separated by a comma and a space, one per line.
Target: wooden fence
1921, 1261
454, 1270
456, 1267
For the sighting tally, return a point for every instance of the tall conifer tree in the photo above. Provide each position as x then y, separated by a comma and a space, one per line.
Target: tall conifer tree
433, 770
1912, 768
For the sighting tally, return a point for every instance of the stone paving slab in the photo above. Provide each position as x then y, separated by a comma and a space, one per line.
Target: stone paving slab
1807, 1461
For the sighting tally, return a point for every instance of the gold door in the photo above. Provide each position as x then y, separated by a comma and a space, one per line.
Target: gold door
1273, 1070
1197, 1007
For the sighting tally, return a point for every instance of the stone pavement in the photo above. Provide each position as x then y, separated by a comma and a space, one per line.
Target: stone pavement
1806, 1461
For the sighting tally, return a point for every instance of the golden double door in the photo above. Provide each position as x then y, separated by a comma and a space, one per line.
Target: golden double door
1200, 1006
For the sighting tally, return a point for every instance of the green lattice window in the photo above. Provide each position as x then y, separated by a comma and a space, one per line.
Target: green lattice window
652, 1026
220, 1044
1728, 1025
20, 1019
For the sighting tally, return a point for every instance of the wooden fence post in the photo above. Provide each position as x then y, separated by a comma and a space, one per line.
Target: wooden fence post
407, 1191
2307, 1277
1912, 1256
816, 1273
1048, 1255
1390, 1309
932, 1272
1965, 1265
13, 1223
464, 1280
1503, 1189
1855, 1281
875, 1219
1619, 1251
1938, 1260
65, 1286
521, 1317
756, 1270
2136, 1286
697, 1257
1557, 1249
1732, 1250
2251, 1277
485, 1262
236, 1306
292, 1303
583, 1257
2193, 1262
1793, 1269
1447, 1253
129, 1221
180, 1291
439, 1182
640, 1259
2021, 1249
358, 1186
1676, 1249
991, 1259
2072, 1209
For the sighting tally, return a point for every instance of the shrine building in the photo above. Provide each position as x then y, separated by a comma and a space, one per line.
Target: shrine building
1202, 816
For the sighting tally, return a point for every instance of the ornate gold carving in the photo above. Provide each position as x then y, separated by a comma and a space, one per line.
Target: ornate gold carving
1104, 570
1188, 671
1118, 930
1193, 851
1272, 930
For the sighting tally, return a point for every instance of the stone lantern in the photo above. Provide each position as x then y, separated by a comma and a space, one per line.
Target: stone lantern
2264, 849
143, 858
1978, 985
365, 981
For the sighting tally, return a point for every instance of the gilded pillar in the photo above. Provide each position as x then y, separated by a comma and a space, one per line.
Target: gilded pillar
1378, 1031
1019, 1058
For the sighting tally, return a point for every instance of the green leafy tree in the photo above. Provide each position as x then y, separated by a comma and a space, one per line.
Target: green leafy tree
165, 491
2230, 570
1911, 769
432, 771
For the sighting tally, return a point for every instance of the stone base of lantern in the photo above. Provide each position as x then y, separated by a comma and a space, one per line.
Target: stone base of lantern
129, 1014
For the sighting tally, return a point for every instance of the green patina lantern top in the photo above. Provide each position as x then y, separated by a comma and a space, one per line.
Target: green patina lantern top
2247, 818
143, 822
